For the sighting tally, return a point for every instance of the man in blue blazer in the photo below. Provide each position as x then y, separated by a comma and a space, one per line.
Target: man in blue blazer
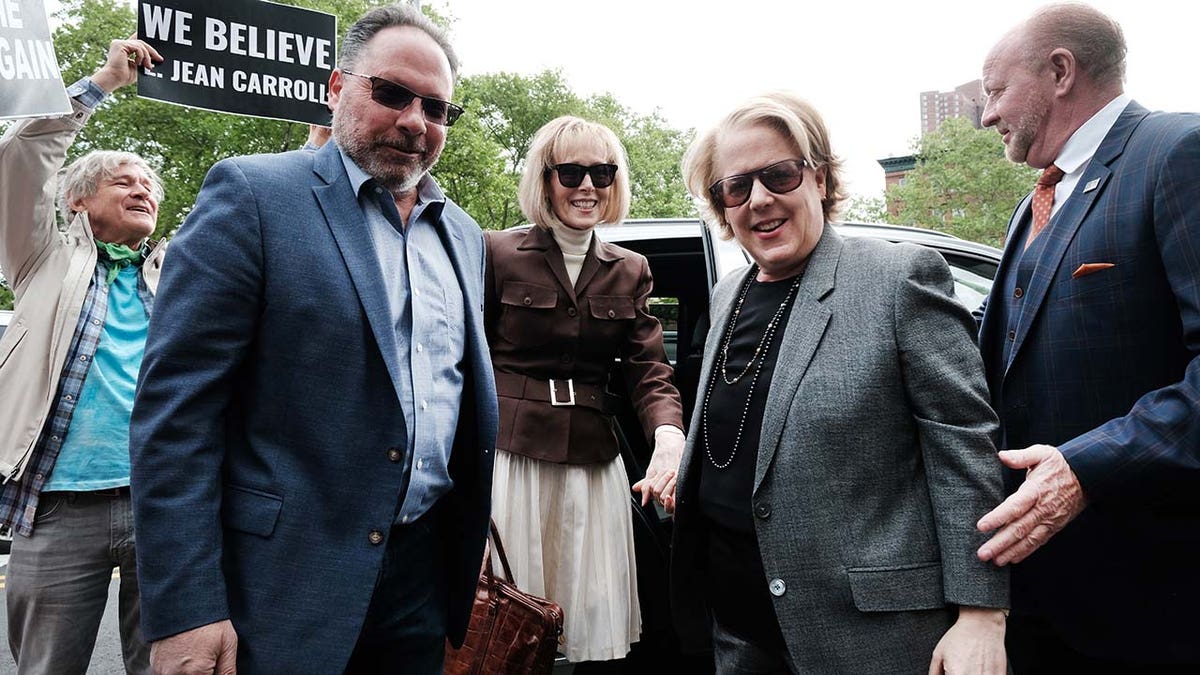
311, 441
1090, 338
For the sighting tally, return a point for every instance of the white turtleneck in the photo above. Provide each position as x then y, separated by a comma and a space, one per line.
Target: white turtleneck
574, 244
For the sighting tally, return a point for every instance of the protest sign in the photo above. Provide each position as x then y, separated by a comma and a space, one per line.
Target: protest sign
30, 83
240, 56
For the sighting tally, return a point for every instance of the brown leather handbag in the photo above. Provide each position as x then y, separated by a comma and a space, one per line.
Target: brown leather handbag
510, 630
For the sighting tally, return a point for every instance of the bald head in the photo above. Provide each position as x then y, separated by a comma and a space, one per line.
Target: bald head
1094, 39
1049, 76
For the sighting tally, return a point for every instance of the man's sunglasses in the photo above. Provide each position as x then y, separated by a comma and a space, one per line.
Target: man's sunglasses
571, 175
780, 178
398, 97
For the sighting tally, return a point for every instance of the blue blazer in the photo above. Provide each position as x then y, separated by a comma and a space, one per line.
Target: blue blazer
1103, 364
266, 409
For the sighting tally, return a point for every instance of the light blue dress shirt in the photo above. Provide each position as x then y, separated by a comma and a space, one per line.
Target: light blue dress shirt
427, 310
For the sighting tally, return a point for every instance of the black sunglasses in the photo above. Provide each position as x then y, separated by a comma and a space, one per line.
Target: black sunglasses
398, 97
571, 175
780, 178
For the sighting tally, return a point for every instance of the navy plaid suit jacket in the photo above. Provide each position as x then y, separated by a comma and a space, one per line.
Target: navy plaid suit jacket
1103, 365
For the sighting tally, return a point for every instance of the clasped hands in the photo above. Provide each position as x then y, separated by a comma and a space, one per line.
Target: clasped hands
659, 483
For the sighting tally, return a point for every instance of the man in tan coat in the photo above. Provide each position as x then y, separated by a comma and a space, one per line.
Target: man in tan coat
68, 368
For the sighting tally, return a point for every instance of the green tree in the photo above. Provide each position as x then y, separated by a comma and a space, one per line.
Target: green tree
655, 150
479, 168
6, 295
860, 209
962, 184
509, 109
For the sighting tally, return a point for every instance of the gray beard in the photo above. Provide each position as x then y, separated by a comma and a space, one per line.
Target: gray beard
397, 178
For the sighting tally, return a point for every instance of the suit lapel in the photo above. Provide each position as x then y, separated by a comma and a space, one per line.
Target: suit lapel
591, 265
351, 231
805, 327
1070, 217
600, 254
542, 239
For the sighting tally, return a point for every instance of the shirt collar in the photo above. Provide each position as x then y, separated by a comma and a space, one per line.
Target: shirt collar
428, 191
1082, 144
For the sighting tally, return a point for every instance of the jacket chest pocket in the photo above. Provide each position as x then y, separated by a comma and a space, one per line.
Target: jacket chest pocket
527, 314
612, 314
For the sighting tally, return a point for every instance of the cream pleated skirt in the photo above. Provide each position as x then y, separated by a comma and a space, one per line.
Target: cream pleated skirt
568, 534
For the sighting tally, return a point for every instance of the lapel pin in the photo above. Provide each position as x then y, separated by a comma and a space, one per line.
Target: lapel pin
1091, 185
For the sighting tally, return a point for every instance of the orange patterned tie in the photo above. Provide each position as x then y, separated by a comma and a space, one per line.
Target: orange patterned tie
1043, 200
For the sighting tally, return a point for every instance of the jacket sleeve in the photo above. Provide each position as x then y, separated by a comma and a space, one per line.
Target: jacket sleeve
644, 361
31, 153
205, 317
944, 382
1155, 445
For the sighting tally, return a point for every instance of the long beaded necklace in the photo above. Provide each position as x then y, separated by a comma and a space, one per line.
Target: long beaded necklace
756, 361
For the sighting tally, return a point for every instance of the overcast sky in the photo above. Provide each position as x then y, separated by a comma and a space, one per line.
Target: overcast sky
863, 63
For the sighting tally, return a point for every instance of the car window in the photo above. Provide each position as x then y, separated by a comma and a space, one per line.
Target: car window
969, 288
666, 310
972, 278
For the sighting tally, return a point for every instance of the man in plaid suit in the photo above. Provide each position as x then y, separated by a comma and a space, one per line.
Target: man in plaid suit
1090, 337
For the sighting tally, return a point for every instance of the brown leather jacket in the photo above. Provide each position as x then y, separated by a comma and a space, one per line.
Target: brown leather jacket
543, 332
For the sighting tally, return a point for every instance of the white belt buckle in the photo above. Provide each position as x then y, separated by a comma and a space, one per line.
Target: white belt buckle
554, 394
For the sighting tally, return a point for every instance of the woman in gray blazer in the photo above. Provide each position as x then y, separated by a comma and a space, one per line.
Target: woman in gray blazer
842, 447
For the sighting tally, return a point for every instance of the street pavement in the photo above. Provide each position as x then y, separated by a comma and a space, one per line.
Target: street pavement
106, 659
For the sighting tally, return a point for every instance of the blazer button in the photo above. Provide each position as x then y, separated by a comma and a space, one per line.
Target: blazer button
762, 510
571, 311
1012, 335
376, 538
527, 301
395, 455
1018, 293
612, 314
777, 587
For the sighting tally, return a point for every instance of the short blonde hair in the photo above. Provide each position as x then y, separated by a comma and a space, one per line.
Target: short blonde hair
786, 113
551, 145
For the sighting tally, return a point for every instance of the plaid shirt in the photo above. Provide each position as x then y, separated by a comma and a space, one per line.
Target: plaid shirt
19, 499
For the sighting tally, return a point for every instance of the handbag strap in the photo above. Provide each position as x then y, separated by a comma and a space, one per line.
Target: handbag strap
495, 537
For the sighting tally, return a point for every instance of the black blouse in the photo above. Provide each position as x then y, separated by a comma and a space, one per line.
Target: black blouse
737, 582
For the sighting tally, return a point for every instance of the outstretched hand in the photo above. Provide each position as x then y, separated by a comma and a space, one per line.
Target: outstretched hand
124, 58
1050, 497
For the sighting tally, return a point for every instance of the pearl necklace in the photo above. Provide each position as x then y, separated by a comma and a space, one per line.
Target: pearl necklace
764, 344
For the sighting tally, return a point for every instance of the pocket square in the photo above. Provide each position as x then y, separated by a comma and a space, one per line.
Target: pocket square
1089, 268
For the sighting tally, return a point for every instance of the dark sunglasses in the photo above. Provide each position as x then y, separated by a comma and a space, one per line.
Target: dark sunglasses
780, 178
571, 175
398, 97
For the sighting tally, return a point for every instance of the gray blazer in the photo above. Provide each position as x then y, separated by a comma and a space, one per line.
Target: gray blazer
877, 458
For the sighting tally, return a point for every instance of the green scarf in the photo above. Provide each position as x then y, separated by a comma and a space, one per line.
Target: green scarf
118, 257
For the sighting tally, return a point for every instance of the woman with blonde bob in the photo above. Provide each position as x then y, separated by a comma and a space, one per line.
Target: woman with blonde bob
842, 446
561, 307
